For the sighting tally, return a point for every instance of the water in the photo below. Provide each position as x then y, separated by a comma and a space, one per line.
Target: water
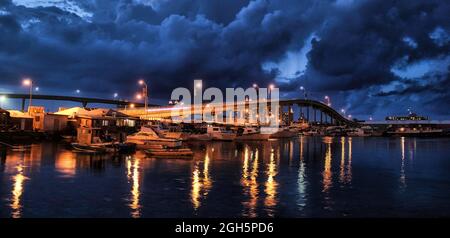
305, 177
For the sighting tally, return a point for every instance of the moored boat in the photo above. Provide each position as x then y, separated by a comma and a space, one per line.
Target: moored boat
284, 133
147, 137
251, 133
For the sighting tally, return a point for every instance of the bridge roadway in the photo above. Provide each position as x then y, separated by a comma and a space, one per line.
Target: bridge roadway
83, 100
304, 104
156, 112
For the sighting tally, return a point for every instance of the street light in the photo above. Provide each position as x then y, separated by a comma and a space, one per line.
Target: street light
2, 100
144, 93
116, 95
328, 100
29, 83
138, 96
78, 91
271, 87
304, 91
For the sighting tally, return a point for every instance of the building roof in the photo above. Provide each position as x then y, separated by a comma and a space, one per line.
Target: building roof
19, 114
92, 113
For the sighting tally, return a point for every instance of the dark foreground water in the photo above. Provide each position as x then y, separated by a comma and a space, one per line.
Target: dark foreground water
305, 177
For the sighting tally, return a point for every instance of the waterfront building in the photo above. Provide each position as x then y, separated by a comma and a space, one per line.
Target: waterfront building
47, 122
20, 121
92, 124
4, 119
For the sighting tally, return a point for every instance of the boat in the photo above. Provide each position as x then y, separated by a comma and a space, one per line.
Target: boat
169, 152
284, 133
220, 133
85, 148
404, 131
356, 132
251, 133
171, 132
147, 137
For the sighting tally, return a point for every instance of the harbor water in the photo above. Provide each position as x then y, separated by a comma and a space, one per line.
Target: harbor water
301, 177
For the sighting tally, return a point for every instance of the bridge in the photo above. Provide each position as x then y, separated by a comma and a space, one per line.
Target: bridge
83, 100
310, 111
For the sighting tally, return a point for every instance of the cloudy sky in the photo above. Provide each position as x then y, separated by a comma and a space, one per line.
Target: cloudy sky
372, 58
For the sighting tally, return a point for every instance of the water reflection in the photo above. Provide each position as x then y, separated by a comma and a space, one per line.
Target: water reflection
231, 179
66, 164
18, 189
301, 181
345, 170
327, 173
271, 185
249, 182
402, 167
201, 181
133, 165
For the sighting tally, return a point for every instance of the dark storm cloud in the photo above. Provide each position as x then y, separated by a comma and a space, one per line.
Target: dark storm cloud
103, 46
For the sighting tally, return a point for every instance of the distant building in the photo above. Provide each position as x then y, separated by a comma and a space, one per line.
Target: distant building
410, 117
89, 124
20, 121
47, 122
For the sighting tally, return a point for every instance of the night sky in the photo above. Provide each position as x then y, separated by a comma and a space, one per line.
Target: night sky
373, 58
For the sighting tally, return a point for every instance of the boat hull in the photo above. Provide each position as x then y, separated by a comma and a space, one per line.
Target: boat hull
257, 136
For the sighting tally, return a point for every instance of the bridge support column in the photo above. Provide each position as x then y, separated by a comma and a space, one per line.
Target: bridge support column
307, 114
291, 115
315, 112
321, 117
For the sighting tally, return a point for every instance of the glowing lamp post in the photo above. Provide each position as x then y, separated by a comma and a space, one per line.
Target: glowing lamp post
144, 93
2, 99
327, 99
29, 83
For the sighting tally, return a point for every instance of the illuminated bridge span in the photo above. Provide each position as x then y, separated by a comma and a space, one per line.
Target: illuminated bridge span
302, 109
83, 100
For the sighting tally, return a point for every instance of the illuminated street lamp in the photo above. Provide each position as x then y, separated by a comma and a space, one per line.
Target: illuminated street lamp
144, 93
304, 91
327, 99
132, 105
2, 100
343, 111
116, 95
78, 91
29, 83
255, 85
271, 87
138, 96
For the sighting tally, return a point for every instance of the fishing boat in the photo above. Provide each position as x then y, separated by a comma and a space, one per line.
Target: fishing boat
220, 133
404, 131
147, 137
284, 133
85, 148
169, 152
251, 133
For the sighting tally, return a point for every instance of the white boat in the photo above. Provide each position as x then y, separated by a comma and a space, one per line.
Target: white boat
356, 132
284, 133
416, 132
220, 133
170, 132
251, 133
147, 137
